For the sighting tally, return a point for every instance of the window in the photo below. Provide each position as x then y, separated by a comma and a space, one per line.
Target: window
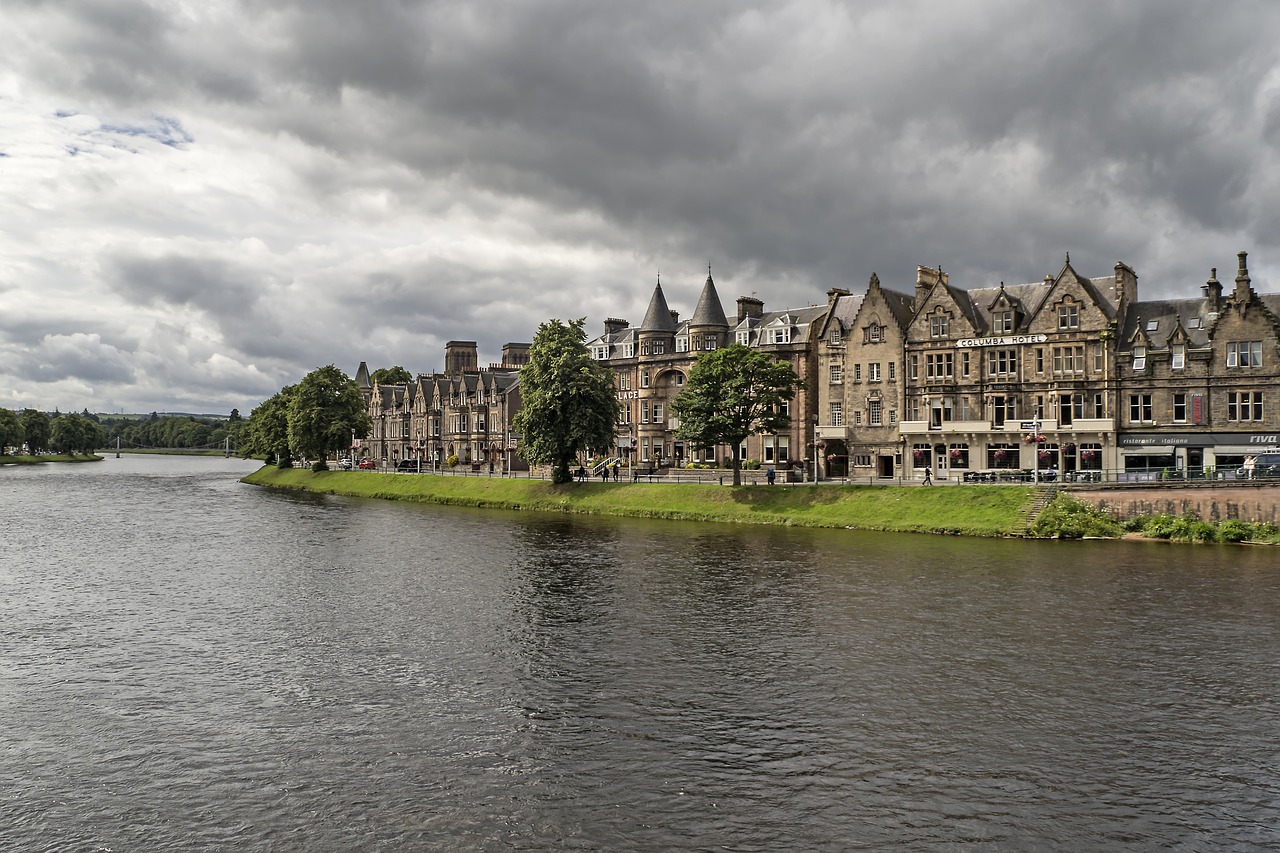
857, 418
959, 455
710, 342
784, 449
644, 379
938, 325
875, 412
659, 347
913, 367
682, 343
964, 364
1068, 316
837, 414
893, 417
939, 366
873, 371
1244, 406
1193, 323
1153, 325
644, 412
835, 336
871, 334
1244, 354
628, 350
644, 347
600, 353
1139, 358
743, 338
837, 374
892, 369
1140, 409
1004, 409
1002, 322
657, 413
780, 336
1179, 356
862, 460
1039, 359
1179, 408
1002, 362
1068, 359
1097, 358
857, 373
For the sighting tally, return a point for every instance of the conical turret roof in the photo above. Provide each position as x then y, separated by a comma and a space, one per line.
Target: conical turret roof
658, 318
709, 311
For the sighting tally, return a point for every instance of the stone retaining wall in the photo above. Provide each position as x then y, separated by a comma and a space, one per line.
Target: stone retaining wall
1246, 502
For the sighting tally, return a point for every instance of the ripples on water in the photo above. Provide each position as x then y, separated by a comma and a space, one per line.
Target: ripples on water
187, 663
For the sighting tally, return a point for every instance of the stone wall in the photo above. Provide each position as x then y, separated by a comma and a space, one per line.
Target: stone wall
1246, 502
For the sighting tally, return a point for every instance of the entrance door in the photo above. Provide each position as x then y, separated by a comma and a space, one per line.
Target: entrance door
940, 462
886, 467
1195, 461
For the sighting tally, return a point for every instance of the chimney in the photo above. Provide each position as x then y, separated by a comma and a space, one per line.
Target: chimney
1243, 291
1125, 286
1212, 291
675, 317
461, 357
749, 306
613, 325
515, 355
926, 278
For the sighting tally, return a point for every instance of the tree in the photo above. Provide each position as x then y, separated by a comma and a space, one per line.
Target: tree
75, 434
568, 399
732, 393
11, 432
36, 426
390, 376
266, 433
326, 411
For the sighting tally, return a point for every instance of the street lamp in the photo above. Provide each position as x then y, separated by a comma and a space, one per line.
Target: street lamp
815, 448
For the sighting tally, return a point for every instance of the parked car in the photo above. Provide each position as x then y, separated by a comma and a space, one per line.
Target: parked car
368, 464
408, 465
1265, 465
344, 464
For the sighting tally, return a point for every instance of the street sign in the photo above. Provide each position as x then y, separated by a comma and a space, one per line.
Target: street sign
1031, 425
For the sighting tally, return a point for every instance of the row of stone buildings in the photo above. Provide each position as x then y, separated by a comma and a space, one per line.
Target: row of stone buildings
1070, 374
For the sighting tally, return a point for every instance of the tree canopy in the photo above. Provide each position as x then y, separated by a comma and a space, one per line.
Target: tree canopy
266, 433
75, 434
568, 402
731, 393
326, 410
35, 425
390, 376
11, 432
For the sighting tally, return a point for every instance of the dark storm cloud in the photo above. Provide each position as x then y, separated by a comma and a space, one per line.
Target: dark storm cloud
537, 160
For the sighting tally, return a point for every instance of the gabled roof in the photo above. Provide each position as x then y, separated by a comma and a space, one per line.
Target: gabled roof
1166, 314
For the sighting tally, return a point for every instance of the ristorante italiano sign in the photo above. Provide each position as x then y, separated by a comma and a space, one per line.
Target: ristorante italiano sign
1003, 341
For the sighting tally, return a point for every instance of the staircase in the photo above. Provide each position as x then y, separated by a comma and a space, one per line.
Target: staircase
1043, 496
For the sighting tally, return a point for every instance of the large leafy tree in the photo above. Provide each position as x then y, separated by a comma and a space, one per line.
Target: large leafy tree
75, 434
731, 393
35, 425
568, 402
327, 409
11, 432
390, 376
266, 433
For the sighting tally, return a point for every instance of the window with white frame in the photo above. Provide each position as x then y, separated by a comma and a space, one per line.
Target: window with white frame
939, 366
659, 347
873, 371
837, 414
938, 325
1178, 356
1068, 316
1140, 409
657, 413
857, 373
628, 350
1244, 354
1068, 360
682, 343
743, 338
1001, 322
781, 335
875, 412
1002, 362
836, 373
1139, 358
1179, 407
835, 337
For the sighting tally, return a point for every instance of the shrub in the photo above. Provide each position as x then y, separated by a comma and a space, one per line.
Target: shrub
751, 464
1068, 518
452, 461
284, 462
319, 465
1234, 530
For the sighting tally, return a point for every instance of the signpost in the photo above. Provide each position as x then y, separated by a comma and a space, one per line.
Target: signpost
1034, 426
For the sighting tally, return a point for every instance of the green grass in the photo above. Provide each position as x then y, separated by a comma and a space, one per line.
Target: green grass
963, 510
37, 460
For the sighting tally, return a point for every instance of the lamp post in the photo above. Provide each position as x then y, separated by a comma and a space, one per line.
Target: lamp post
815, 448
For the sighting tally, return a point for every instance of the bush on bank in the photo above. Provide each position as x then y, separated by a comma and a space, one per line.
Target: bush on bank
1068, 518
961, 510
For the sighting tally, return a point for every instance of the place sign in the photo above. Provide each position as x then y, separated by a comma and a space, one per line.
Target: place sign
1030, 425
1002, 341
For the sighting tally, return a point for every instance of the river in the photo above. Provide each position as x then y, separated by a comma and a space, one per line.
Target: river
189, 663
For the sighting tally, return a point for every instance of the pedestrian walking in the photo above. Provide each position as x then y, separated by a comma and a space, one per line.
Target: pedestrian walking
928, 476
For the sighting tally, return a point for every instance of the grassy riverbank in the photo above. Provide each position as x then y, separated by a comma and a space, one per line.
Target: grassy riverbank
40, 460
962, 510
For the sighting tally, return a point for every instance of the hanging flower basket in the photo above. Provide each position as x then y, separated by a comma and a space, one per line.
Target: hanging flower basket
1000, 456
1070, 448
917, 456
1088, 455
957, 454
1034, 438
1045, 456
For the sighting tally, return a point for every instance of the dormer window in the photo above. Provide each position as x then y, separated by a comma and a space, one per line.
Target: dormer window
1068, 316
682, 343
938, 325
743, 338
834, 337
1152, 325
781, 335
1002, 322
1179, 356
1139, 358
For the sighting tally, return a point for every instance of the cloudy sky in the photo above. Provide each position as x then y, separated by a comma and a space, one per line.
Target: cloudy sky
202, 200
